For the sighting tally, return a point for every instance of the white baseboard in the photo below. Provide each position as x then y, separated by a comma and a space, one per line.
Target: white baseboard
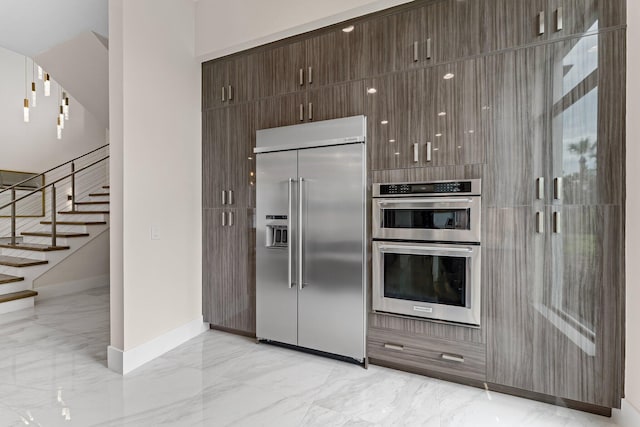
627, 416
124, 362
66, 288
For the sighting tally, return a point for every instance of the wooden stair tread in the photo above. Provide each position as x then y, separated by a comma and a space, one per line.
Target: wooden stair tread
62, 234
82, 212
93, 203
75, 222
5, 278
12, 261
98, 194
17, 295
34, 247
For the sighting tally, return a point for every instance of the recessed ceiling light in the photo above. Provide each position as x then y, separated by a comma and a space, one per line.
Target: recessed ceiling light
442, 113
371, 90
348, 29
448, 76
384, 122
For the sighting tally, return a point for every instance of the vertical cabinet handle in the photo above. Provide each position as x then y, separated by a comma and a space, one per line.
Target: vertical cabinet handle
230, 192
230, 92
540, 222
224, 219
301, 77
230, 218
310, 111
224, 197
557, 227
300, 233
289, 245
301, 112
541, 23
429, 48
540, 188
310, 75
559, 24
415, 51
416, 152
557, 188
428, 151
223, 94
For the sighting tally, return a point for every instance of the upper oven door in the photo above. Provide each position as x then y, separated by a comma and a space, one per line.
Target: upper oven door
447, 219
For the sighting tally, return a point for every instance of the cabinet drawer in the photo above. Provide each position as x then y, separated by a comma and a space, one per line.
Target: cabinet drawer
462, 359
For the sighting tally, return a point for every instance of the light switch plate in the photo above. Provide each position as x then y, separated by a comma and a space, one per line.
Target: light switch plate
155, 232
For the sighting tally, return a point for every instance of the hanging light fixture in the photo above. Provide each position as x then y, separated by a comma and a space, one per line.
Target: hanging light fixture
39, 72
47, 85
26, 99
59, 129
61, 117
65, 105
33, 84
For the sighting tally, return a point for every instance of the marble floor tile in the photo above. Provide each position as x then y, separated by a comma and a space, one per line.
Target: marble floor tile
53, 373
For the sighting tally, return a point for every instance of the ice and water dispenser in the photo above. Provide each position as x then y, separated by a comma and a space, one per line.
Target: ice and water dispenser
277, 232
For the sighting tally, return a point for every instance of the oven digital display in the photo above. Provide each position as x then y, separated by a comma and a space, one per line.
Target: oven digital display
427, 188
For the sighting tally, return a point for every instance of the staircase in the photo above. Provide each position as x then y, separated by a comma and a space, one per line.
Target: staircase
34, 250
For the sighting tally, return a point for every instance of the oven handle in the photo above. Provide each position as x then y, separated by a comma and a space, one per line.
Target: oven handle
428, 201
390, 248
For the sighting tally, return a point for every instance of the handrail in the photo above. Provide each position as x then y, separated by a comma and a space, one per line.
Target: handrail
52, 169
53, 183
72, 175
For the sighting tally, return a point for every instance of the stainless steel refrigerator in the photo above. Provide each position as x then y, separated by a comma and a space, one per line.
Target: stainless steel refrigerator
310, 236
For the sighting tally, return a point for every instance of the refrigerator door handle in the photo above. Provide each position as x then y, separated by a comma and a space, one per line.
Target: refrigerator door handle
289, 245
300, 234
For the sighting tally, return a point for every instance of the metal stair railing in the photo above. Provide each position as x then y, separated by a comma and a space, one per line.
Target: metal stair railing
72, 175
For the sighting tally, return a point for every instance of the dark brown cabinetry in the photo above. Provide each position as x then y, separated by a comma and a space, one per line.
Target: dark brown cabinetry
529, 96
228, 269
555, 261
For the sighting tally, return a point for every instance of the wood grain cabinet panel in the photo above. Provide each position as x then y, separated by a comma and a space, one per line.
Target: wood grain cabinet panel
457, 358
327, 58
215, 156
229, 285
276, 71
240, 167
375, 47
577, 17
587, 120
279, 111
510, 23
336, 101
214, 78
387, 112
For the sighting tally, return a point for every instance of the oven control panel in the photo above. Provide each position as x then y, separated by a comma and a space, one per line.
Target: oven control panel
428, 188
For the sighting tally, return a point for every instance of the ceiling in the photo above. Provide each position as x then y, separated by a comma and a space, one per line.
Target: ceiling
30, 27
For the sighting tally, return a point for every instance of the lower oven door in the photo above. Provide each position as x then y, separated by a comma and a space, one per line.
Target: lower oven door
436, 281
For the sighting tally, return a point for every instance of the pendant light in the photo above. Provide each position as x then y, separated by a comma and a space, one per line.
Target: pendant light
26, 99
65, 105
33, 85
39, 72
47, 85
59, 129
61, 117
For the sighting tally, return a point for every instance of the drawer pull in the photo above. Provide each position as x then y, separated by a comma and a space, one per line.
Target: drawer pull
394, 347
452, 358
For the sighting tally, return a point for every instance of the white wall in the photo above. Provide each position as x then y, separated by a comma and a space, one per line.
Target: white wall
90, 261
224, 27
633, 206
33, 147
155, 169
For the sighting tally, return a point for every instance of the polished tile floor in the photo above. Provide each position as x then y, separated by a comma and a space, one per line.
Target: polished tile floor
53, 373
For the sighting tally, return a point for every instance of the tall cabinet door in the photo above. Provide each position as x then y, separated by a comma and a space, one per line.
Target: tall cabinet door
336, 102
331, 298
215, 153
276, 283
241, 163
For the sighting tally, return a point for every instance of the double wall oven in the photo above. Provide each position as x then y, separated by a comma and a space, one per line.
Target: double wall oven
426, 250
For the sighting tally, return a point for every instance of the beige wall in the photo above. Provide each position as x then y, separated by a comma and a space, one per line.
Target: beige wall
633, 206
155, 133
89, 261
223, 27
